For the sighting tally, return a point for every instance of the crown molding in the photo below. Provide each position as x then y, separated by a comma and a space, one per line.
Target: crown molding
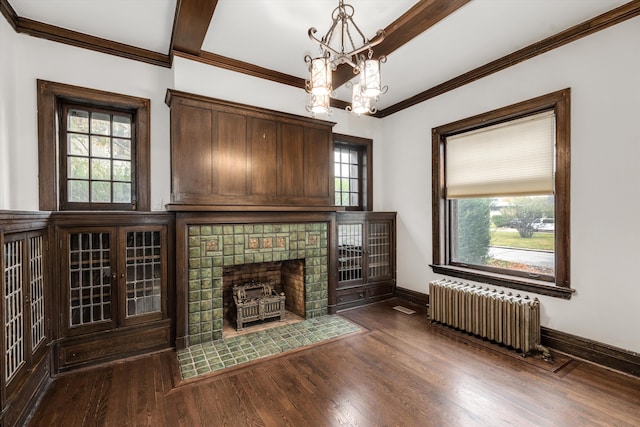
77, 39
243, 67
9, 14
591, 26
419, 18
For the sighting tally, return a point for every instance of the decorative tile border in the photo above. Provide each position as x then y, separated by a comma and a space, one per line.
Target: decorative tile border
200, 359
212, 247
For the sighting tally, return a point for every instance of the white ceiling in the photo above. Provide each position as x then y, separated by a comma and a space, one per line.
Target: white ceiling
273, 33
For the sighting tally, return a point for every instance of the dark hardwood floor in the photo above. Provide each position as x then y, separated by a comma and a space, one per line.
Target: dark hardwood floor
401, 372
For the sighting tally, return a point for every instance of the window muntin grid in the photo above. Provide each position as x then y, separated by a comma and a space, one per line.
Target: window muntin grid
14, 315
89, 278
36, 283
347, 176
99, 156
379, 247
143, 273
349, 252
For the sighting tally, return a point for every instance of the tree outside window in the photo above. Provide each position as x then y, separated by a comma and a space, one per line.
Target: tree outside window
501, 196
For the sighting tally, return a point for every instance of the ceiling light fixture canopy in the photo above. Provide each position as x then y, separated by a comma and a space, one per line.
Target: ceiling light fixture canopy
369, 88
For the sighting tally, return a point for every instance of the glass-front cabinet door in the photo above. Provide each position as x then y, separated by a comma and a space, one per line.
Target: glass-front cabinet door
379, 250
89, 268
142, 275
350, 253
22, 305
115, 276
366, 257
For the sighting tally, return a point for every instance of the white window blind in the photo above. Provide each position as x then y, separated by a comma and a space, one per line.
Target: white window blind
511, 158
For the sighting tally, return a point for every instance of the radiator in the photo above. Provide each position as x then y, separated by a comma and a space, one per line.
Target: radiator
507, 319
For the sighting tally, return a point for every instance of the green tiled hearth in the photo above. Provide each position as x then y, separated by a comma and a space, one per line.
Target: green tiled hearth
212, 247
212, 356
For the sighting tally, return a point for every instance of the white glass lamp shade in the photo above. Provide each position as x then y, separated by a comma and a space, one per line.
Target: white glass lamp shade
319, 104
360, 104
370, 78
320, 81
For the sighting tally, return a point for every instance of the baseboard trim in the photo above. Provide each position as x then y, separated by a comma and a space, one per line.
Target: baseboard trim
592, 351
412, 296
606, 355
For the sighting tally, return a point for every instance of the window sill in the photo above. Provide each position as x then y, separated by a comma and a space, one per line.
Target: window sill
521, 284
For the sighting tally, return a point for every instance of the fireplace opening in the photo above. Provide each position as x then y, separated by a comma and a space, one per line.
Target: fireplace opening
283, 276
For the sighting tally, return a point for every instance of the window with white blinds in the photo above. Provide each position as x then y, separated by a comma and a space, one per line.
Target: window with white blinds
513, 158
500, 196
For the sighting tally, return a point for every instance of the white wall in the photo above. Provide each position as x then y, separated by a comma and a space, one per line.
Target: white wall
7, 113
602, 71
28, 59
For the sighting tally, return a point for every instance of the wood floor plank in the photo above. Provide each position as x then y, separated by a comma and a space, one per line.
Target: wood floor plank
399, 372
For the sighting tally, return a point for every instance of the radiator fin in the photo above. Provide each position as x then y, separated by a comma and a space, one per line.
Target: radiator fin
506, 319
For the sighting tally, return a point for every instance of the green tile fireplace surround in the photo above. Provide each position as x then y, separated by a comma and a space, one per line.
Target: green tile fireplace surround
211, 247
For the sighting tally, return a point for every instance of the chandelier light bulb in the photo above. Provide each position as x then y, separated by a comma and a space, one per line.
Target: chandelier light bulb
319, 104
370, 77
320, 81
360, 104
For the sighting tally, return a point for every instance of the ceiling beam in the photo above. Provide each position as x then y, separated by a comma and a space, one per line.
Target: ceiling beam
422, 16
243, 67
191, 24
601, 22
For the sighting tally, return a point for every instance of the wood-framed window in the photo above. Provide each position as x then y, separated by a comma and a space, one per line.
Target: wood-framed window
503, 176
94, 149
96, 158
352, 172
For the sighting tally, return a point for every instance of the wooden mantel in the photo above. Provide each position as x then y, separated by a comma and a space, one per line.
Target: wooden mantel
179, 207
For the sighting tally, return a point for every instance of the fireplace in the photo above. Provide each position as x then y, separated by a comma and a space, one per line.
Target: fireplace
285, 276
213, 248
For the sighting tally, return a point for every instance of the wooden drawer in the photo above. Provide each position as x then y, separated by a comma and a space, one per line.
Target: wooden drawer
102, 347
379, 292
351, 297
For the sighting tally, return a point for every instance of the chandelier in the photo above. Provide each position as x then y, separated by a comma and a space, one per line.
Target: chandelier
368, 88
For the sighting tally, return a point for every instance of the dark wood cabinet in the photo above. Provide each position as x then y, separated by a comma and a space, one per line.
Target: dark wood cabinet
24, 314
224, 153
366, 257
114, 287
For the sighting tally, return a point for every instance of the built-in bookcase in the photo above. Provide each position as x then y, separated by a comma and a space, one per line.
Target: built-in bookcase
366, 257
114, 286
24, 334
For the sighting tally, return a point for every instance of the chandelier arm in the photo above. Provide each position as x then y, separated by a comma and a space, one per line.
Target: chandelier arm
364, 39
324, 45
376, 41
340, 56
365, 47
329, 34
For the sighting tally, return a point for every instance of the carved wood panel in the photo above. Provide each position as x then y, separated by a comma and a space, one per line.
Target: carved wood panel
224, 153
